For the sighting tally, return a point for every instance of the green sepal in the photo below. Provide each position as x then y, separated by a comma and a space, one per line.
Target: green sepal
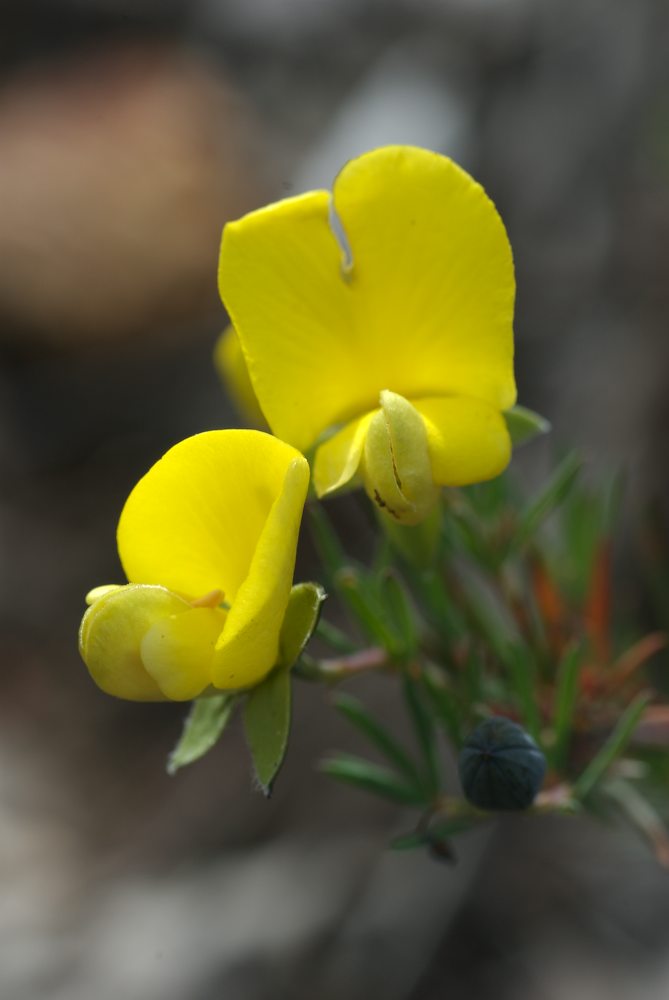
524, 425
300, 621
204, 725
267, 723
267, 709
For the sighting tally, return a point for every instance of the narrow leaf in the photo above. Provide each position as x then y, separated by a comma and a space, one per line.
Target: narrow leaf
371, 778
329, 548
267, 724
399, 610
408, 841
423, 723
642, 815
301, 618
334, 637
459, 824
380, 737
549, 498
565, 703
614, 746
524, 425
204, 724
443, 704
368, 616
523, 675
438, 607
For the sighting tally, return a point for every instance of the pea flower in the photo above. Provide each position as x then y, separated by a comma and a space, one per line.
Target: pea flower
376, 323
207, 540
231, 366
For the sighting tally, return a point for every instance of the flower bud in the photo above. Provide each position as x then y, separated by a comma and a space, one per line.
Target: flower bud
500, 765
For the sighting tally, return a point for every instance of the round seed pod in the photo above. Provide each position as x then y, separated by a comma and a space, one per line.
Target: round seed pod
501, 767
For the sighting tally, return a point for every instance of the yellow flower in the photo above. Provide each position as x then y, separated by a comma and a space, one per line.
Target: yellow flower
376, 323
234, 374
207, 540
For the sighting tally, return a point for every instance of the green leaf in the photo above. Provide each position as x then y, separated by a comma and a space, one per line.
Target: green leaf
369, 616
523, 675
553, 494
459, 824
423, 723
380, 737
444, 704
641, 814
524, 425
267, 724
565, 703
334, 637
204, 724
438, 607
301, 618
613, 748
371, 778
400, 613
329, 548
408, 841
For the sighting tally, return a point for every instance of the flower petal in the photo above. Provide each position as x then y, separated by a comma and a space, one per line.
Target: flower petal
177, 651
396, 468
249, 644
111, 634
233, 371
281, 282
425, 309
432, 278
337, 459
468, 440
194, 521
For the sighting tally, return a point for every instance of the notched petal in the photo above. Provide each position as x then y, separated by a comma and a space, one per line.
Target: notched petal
339, 233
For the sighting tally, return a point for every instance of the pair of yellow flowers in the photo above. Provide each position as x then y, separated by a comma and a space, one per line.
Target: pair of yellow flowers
376, 325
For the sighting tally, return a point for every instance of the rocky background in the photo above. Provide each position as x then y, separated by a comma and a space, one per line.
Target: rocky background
129, 133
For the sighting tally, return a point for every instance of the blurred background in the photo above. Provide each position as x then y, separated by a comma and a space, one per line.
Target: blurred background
129, 133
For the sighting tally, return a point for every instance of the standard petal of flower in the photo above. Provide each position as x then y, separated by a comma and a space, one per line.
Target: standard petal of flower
468, 440
177, 651
337, 459
432, 277
111, 634
234, 374
194, 521
248, 646
281, 281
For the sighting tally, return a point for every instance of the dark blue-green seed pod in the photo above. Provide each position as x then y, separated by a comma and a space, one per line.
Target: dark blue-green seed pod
501, 767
